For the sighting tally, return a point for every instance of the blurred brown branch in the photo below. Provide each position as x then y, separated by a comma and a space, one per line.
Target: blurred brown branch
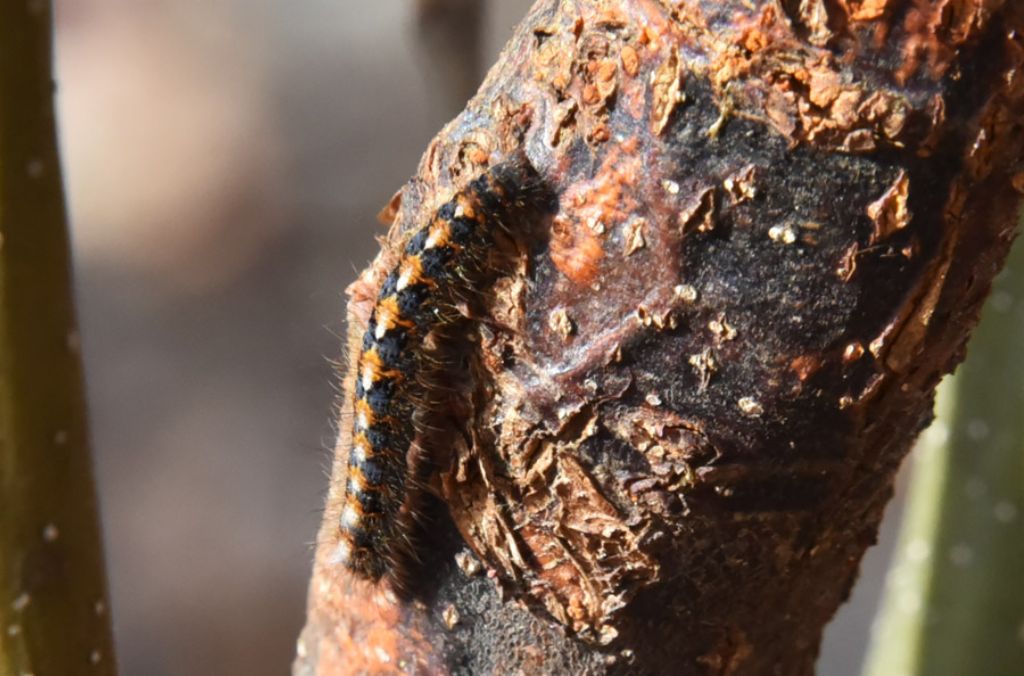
449, 36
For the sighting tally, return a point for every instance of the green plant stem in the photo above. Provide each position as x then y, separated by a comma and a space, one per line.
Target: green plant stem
54, 617
955, 597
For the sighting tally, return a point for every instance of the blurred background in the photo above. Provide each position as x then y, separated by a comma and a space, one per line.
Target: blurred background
224, 163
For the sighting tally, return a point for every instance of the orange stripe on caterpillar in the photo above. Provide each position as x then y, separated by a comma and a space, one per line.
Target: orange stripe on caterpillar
442, 261
389, 316
373, 369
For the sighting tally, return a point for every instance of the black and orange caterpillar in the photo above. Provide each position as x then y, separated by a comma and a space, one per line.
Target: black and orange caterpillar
444, 262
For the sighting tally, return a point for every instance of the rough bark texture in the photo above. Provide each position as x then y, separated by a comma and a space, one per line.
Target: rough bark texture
776, 223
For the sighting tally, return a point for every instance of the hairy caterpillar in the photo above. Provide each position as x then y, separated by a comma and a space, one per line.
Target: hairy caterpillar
444, 261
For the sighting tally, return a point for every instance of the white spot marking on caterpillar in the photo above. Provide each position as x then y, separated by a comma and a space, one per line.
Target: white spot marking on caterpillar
350, 517
341, 554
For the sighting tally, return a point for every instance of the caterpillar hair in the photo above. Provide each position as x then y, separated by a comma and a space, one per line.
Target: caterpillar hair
389, 455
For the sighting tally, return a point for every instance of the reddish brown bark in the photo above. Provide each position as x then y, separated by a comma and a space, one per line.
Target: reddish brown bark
776, 223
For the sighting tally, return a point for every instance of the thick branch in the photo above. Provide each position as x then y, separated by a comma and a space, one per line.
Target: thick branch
776, 223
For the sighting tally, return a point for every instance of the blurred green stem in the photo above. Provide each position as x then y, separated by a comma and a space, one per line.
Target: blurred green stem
53, 600
954, 605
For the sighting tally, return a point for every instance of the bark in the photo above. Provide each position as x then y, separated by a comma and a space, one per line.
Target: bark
53, 599
776, 223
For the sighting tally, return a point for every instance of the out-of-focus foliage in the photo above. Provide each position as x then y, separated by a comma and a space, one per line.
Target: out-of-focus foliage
954, 602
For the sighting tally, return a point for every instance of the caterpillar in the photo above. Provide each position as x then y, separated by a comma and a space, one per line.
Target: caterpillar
443, 262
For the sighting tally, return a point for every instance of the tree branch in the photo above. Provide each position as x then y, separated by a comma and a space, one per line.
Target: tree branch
680, 417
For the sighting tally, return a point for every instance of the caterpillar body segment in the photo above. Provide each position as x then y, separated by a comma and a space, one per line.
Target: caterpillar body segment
442, 262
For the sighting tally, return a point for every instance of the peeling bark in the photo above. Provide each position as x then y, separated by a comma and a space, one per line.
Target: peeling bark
776, 224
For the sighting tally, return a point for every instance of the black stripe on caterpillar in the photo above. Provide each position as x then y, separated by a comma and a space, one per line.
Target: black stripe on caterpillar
441, 263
